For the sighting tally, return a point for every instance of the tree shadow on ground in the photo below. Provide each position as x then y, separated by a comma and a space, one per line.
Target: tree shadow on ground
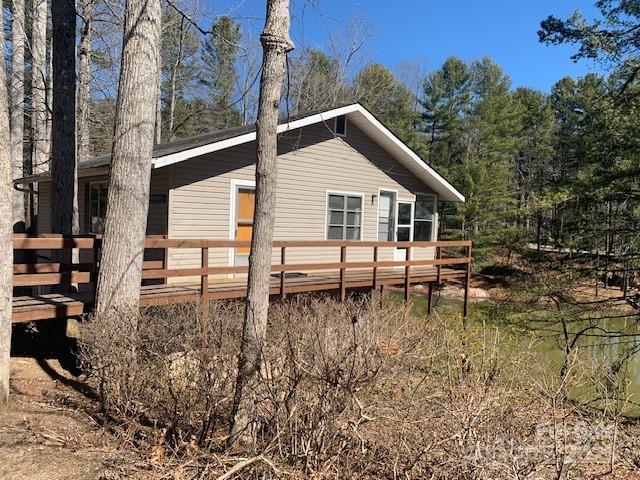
47, 340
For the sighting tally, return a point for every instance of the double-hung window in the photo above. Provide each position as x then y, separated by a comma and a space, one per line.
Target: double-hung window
424, 218
97, 206
344, 216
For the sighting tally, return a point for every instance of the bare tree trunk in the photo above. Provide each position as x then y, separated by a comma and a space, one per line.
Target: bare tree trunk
6, 230
17, 109
174, 80
275, 44
39, 134
84, 75
47, 143
64, 170
128, 198
158, 99
39, 109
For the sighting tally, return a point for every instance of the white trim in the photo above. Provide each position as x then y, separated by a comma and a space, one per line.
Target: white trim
326, 210
412, 155
410, 225
335, 126
378, 209
163, 161
233, 187
392, 144
434, 225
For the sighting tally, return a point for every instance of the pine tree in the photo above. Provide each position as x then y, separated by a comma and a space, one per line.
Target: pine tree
533, 158
388, 99
219, 57
181, 67
446, 104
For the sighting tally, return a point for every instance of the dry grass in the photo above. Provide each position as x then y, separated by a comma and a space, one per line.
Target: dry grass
347, 390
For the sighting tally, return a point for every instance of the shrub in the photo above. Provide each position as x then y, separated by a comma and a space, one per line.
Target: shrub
169, 368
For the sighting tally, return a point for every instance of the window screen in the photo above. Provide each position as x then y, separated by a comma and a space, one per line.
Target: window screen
344, 217
97, 207
423, 218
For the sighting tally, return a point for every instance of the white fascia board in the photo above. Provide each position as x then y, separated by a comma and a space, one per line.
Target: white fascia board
177, 157
172, 158
408, 156
431, 174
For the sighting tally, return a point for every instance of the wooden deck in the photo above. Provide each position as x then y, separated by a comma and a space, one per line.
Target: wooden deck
339, 277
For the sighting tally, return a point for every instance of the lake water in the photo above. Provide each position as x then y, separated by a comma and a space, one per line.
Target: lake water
604, 364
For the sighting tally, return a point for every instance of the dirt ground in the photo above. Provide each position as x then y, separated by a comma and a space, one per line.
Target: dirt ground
46, 434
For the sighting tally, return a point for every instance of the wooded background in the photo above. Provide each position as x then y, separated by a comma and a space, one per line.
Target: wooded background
557, 168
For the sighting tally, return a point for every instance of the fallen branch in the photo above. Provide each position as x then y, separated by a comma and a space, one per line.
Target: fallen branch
246, 463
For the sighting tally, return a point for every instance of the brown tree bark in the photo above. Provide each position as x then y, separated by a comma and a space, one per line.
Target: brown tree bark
84, 76
275, 44
17, 109
158, 113
6, 230
39, 111
128, 198
64, 169
173, 80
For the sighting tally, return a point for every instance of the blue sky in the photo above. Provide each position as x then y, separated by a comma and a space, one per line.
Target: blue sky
429, 31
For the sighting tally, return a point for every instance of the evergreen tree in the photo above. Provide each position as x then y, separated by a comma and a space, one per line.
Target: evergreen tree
219, 55
612, 39
446, 104
180, 69
378, 90
533, 158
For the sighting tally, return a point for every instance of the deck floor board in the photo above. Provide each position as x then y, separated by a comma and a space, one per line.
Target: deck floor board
54, 305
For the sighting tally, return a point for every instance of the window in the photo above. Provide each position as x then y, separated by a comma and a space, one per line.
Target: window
386, 216
423, 223
344, 217
97, 206
403, 231
341, 126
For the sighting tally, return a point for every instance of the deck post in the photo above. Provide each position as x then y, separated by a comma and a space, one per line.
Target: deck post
204, 284
407, 275
430, 299
438, 268
375, 267
343, 286
94, 273
283, 274
467, 280
165, 262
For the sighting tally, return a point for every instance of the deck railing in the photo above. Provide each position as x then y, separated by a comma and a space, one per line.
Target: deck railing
455, 254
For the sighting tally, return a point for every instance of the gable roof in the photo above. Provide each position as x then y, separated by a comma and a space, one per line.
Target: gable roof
180, 150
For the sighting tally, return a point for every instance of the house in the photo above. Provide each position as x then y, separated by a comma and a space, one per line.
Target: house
342, 175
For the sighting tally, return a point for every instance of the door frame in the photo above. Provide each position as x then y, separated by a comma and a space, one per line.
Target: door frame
399, 253
233, 221
395, 201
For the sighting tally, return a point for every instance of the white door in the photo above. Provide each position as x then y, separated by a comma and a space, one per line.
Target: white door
404, 228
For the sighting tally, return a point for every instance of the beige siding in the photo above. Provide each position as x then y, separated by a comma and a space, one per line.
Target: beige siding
157, 222
311, 163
